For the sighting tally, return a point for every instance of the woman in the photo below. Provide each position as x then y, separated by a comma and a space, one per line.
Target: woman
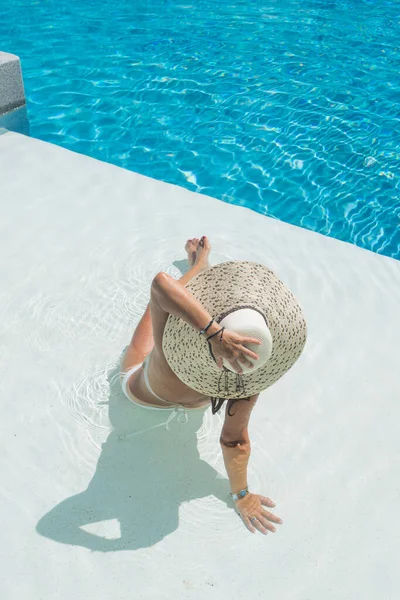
219, 333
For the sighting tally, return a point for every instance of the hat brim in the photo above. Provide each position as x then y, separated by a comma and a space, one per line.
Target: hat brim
229, 285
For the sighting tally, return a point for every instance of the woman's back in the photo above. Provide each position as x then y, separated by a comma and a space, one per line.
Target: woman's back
164, 383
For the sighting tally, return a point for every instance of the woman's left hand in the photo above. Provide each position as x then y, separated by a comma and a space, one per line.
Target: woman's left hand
231, 346
250, 506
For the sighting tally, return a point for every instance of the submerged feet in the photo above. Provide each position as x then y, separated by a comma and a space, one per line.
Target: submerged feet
198, 250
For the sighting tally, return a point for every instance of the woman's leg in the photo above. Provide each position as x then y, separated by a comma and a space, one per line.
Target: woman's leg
142, 341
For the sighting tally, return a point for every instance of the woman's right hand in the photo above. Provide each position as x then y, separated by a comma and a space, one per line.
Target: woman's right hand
252, 505
232, 348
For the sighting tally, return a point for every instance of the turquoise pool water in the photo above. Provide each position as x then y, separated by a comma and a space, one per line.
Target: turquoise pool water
290, 108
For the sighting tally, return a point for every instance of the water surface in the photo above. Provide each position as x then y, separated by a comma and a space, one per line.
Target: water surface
291, 109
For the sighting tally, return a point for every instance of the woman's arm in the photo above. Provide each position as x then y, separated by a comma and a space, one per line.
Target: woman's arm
173, 298
235, 444
176, 300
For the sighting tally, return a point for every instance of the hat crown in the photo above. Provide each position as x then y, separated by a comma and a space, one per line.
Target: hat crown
250, 323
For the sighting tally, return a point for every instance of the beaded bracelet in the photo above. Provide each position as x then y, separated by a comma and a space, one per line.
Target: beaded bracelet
240, 494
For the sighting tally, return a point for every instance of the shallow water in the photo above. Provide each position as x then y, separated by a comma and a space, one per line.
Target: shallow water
77, 484
291, 109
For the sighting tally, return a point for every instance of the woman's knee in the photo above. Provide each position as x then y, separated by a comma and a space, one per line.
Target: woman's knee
159, 283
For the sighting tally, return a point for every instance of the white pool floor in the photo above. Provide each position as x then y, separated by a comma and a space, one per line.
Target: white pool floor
87, 515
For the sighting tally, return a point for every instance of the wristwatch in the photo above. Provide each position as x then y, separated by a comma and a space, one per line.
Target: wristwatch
240, 494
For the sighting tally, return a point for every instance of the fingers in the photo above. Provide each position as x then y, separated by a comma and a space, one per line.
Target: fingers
248, 340
267, 501
236, 366
266, 522
248, 352
246, 363
247, 522
262, 522
255, 524
271, 517
257, 518
259, 525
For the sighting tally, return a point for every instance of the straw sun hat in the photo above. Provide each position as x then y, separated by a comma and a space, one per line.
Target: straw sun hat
249, 299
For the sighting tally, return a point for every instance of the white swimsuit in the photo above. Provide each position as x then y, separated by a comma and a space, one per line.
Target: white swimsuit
178, 411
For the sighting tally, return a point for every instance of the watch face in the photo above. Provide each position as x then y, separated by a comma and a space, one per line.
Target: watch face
242, 493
